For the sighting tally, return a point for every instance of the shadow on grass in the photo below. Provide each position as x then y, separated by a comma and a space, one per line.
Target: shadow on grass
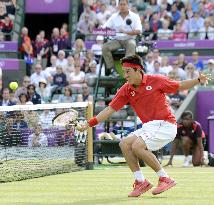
116, 200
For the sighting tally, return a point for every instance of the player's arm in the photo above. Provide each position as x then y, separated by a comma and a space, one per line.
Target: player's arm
173, 151
187, 84
201, 147
102, 116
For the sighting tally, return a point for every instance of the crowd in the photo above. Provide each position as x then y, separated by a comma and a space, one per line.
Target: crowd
7, 15
161, 19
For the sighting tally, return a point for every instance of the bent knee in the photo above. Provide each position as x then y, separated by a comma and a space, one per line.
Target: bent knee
138, 144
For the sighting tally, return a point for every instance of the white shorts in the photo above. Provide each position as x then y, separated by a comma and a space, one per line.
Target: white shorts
156, 134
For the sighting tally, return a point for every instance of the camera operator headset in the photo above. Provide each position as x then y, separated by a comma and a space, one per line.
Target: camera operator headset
127, 25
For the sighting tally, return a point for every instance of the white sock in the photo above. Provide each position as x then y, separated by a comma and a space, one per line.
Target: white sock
162, 173
139, 176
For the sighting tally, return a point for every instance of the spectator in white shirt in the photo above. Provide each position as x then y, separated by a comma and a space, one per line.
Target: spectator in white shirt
207, 32
164, 33
38, 75
38, 138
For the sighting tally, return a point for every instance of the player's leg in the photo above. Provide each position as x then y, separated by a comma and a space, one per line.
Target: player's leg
186, 143
152, 137
141, 185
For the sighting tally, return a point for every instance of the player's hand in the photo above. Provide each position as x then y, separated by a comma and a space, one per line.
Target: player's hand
168, 164
82, 127
204, 78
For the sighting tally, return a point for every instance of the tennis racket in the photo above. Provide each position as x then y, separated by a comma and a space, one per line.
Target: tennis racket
69, 120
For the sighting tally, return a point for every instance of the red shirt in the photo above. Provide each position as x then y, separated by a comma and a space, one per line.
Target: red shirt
149, 99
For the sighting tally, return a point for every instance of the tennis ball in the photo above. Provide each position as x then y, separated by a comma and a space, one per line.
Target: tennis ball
13, 85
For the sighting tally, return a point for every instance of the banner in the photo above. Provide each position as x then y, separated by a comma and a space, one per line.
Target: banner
204, 107
9, 64
47, 6
188, 44
10, 46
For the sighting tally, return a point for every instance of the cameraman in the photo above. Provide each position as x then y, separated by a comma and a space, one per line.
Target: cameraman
127, 26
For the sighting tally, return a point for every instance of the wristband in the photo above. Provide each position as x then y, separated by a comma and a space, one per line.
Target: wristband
92, 122
199, 80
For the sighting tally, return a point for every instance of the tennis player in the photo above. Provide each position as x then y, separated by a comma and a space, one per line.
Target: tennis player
146, 95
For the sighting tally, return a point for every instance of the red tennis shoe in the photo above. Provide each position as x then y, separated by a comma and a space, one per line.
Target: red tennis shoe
140, 188
164, 184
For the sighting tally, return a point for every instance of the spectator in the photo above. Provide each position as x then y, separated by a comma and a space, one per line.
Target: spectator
85, 95
156, 55
44, 91
79, 47
165, 67
6, 98
65, 41
127, 36
210, 70
62, 61
148, 33
113, 6
38, 138
184, 23
182, 61
19, 122
180, 5
197, 63
3, 12
97, 47
207, 32
41, 49
39, 74
26, 49
55, 42
155, 24
67, 97
24, 99
46, 118
149, 63
93, 71
175, 13
191, 71
84, 27
157, 69
34, 97
7, 28
77, 78
190, 135
179, 71
52, 68
23, 88
195, 24
70, 66
103, 14
59, 80
178, 33
164, 33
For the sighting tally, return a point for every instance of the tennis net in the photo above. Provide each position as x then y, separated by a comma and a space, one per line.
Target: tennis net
32, 146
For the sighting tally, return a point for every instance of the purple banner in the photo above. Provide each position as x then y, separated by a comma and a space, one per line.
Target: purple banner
9, 46
188, 44
47, 6
9, 64
211, 134
104, 32
204, 107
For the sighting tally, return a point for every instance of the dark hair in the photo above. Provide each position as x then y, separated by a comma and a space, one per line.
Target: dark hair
136, 59
23, 94
187, 113
127, 1
31, 85
69, 89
